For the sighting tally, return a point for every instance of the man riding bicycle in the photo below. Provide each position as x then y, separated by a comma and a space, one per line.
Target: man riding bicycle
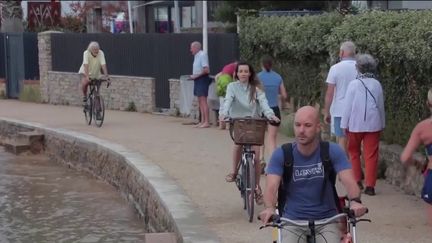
308, 195
93, 62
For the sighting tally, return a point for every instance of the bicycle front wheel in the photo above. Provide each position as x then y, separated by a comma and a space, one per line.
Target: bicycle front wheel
250, 187
99, 111
88, 110
243, 179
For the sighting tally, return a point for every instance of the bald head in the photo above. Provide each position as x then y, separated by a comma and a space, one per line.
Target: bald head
307, 112
306, 125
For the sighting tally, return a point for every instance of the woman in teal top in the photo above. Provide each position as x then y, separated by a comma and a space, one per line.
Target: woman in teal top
244, 97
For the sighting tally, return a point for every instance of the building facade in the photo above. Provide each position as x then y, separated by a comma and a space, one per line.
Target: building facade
148, 16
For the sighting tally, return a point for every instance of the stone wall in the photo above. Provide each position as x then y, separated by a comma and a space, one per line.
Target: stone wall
160, 203
407, 178
65, 88
45, 61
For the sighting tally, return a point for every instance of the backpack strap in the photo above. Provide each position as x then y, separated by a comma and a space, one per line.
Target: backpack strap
329, 173
286, 176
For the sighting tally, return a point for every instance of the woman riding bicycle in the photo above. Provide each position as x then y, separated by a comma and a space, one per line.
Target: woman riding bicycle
422, 134
245, 98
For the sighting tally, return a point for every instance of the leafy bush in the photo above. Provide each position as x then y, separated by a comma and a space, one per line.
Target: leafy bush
297, 44
305, 47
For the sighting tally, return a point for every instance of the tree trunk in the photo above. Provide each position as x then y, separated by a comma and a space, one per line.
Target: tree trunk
12, 15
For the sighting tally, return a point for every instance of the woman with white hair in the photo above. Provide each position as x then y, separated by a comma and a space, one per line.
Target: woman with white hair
363, 120
93, 62
422, 135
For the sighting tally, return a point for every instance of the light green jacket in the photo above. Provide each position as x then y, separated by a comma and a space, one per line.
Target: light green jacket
237, 102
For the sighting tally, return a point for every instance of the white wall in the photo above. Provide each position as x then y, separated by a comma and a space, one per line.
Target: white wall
393, 4
417, 4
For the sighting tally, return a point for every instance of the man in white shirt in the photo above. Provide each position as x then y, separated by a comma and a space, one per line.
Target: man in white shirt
200, 75
339, 76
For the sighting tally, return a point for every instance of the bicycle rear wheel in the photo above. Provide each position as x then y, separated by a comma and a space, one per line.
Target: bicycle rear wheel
250, 187
99, 110
88, 110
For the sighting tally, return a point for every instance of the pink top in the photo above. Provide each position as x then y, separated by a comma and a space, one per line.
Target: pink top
229, 68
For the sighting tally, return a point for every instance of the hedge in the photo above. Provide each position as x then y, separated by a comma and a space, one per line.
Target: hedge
305, 47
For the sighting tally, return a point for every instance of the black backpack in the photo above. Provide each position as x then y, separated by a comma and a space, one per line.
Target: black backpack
329, 174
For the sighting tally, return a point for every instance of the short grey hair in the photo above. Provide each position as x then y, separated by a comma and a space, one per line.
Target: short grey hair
93, 45
366, 63
196, 44
348, 47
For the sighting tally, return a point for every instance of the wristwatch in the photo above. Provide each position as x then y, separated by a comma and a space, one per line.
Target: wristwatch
356, 199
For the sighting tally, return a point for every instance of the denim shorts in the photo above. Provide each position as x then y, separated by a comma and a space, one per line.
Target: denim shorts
337, 129
427, 187
201, 86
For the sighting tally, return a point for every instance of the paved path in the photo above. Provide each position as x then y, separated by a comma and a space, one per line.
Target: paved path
198, 160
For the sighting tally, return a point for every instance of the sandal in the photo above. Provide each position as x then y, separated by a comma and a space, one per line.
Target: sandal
231, 177
259, 198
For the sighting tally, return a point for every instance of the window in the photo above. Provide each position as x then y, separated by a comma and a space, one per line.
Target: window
161, 13
188, 17
162, 20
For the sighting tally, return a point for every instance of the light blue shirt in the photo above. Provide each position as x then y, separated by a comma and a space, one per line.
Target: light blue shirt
271, 82
237, 102
200, 62
303, 195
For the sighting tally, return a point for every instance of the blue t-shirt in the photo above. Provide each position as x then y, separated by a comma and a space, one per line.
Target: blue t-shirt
271, 82
303, 200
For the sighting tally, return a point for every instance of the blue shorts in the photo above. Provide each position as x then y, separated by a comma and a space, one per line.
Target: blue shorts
427, 187
201, 86
337, 129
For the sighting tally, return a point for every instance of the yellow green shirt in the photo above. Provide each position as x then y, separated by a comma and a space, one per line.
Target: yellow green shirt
94, 64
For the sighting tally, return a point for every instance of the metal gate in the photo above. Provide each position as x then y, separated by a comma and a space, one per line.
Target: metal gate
19, 60
14, 68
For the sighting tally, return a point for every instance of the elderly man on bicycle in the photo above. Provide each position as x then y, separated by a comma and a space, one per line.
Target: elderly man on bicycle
307, 192
93, 62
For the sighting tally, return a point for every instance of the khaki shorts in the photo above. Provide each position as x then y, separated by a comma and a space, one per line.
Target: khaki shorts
328, 233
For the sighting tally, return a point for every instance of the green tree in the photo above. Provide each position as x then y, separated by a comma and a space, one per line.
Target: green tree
11, 16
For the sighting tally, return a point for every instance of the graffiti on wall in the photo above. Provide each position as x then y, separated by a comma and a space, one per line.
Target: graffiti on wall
43, 14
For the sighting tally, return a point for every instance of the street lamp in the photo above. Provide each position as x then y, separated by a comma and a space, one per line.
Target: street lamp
130, 17
205, 34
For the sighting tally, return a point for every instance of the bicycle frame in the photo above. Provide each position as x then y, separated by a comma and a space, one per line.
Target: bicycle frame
244, 184
95, 105
95, 86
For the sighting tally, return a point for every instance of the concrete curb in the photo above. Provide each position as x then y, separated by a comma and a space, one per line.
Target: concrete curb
189, 225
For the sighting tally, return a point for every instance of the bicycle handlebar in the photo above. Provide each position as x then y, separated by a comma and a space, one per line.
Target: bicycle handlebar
279, 222
231, 120
108, 80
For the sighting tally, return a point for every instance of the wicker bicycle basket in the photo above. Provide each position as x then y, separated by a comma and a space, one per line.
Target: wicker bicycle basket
249, 131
